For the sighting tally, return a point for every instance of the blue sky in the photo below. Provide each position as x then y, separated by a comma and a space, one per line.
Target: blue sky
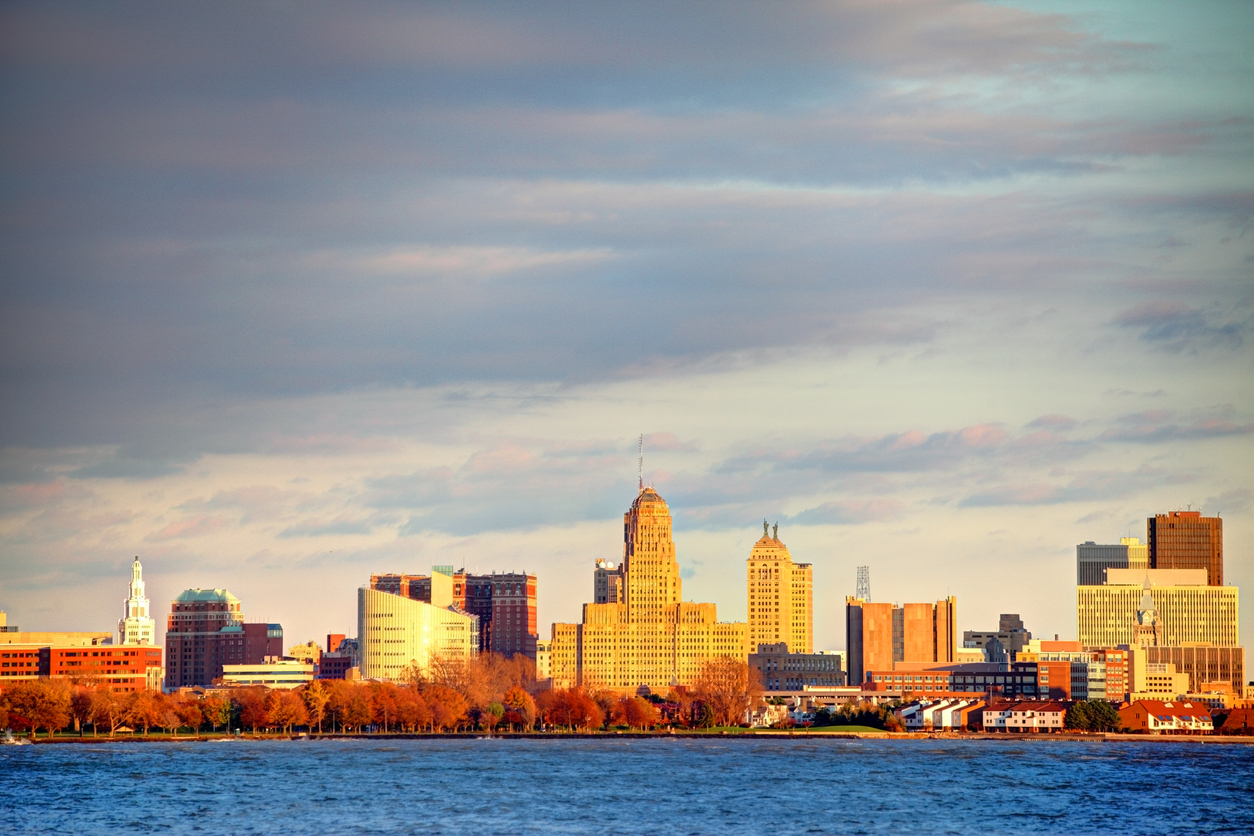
292, 295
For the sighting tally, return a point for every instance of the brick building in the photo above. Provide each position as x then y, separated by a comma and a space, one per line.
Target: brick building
1187, 540
205, 630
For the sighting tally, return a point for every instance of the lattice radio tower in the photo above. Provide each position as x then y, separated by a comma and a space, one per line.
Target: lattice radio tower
864, 583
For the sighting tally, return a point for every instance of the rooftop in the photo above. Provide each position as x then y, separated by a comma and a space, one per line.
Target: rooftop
195, 596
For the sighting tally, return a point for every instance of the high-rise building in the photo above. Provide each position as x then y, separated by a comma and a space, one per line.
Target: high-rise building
1002, 645
781, 596
607, 582
504, 603
401, 636
1186, 609
878, 635
1187, 540
206, 630
1093, 559
137, 625
651, 636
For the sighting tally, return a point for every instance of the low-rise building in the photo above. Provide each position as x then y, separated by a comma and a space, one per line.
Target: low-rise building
273, 673
1166, 717
784, 671
124, 668
1031, 716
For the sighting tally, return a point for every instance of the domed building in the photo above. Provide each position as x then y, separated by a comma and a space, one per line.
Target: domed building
650, 636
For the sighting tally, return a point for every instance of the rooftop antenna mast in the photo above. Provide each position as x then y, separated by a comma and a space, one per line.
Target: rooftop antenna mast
864, 583
640, 465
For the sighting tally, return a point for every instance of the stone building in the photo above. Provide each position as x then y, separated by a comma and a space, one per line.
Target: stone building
781, 596
650, 637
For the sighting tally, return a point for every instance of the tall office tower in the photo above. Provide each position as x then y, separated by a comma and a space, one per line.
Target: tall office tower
1003, 645
400, 635
1093, 559
206, 630
504, 602
137, 626
607, 582
877, 635
1185, 609
650, 636
781, 596
1187, 540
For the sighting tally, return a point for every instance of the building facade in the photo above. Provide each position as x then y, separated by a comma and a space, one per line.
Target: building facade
783, 670
504, 603
401, 636
1000, 646
781, 596
137, 625
206, 630
880, 635
1093, 559
1187, 540
651, 636
276, 674
1167, 717
1095, 674
1187, 609
607, 582
1203, 663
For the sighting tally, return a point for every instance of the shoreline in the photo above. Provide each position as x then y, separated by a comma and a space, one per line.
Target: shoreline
686, 735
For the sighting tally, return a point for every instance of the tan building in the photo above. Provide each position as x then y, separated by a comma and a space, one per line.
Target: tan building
1203, 663
399, 634
60, 639
1185, 608
650, 636
783, 670
276, 674
309, 652
880, 635
781, 596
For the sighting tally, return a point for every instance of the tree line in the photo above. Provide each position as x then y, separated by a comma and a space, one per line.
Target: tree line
487, 693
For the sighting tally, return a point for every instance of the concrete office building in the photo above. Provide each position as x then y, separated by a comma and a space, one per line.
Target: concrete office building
1093, 559
781, 596
879, 635
607, 582
1187, 540
651, 636
1186, 608
276, 674
401, 636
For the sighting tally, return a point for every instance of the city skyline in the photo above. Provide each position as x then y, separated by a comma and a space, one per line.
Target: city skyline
944, 289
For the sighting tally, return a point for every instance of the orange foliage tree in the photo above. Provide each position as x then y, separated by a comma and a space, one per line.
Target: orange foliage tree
729, 687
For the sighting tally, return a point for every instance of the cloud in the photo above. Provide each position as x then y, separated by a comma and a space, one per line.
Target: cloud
200, 525
1155, 427
1085, 486
849, 512
341, 525
1174, 326
1053, 421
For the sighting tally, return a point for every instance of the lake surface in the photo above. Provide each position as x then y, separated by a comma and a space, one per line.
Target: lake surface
666, 786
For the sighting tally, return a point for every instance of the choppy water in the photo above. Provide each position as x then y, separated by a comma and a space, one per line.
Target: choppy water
615, 786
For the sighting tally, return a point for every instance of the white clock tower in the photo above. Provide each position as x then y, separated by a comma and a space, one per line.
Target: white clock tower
137, 627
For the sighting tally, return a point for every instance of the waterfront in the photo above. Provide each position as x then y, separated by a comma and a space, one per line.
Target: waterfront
665, 786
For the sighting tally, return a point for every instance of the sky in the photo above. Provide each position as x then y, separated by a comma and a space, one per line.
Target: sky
295, 293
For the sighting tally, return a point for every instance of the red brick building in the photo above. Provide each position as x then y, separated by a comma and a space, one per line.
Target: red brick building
123, 668
206, 630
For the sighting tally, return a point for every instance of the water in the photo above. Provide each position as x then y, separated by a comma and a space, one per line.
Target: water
665, 786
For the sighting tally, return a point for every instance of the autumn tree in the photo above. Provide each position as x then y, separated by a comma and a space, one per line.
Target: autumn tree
216, 710
287, 709
635, 713
106, 709
39, 704
190, 712
357, 711
729, 687
315, 697
140, 710
253, 711
520, 707
383, 703
448, 707
80, 707
412, 712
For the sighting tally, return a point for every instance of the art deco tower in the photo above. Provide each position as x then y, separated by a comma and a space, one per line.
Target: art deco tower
781, 596
651, 581
137, 626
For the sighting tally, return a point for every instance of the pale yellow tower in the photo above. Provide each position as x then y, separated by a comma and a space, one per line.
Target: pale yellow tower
649, 636
781, 596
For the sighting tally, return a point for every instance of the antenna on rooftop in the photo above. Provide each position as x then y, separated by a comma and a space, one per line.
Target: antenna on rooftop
864, 583
640, 464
